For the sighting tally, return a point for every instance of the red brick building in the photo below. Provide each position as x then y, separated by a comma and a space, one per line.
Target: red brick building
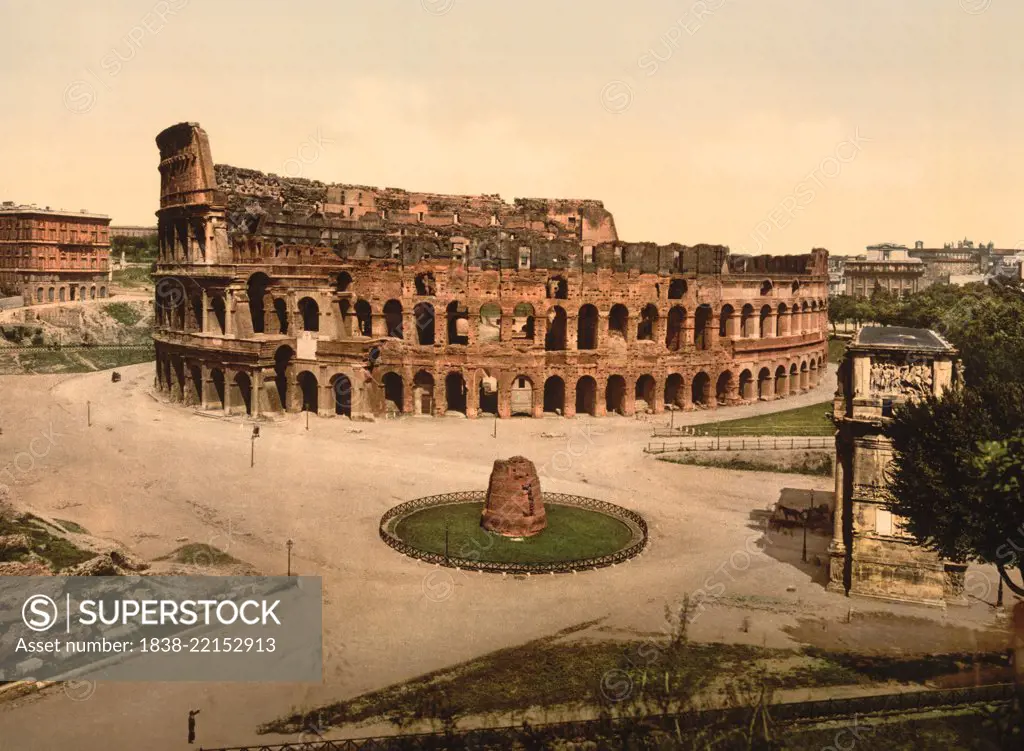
53, 256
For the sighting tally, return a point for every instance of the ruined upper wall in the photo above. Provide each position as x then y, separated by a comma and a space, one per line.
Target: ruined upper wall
186, 167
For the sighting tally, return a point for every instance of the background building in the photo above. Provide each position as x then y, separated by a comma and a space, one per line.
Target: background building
869, 554
836, 275
132, 231
886, 267
284, 294
53, 256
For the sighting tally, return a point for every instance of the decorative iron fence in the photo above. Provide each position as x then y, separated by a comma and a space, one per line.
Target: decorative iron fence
789, 714
631, 519
763, 443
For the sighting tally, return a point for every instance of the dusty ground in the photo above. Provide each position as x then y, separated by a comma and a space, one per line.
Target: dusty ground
150, 474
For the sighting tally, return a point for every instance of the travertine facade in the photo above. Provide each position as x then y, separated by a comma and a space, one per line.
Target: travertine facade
869, 553
514, 506
53, 256
287, 294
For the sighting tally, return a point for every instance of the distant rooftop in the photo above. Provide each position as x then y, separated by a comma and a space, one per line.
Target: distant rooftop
10, 207
901, 337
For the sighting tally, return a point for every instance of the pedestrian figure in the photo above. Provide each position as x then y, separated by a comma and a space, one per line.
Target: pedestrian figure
192, 725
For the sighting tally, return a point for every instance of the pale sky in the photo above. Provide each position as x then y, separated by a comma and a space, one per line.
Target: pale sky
742, 133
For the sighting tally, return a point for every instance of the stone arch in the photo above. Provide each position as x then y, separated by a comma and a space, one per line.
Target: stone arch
103, 292
219, 388
423, 393
676, 330
458, 323
702, 327
781, 320
700, 389
648, 323
813, 378
343, 282
747, 385
555, 339
727, 321
677, 289
310, 390
618, 320
364, 318
282, 365
521, 396
393, 319
522, 321
62, 294
49, 294
586, 327
341, 388
256, 289
557, 288
804, 376
310, 313
196, 373
554, 395
674, 391
615, 395
423, 313
781, 381
645, 391
243, 385
394, 393
220, 313
725, 387
489, 329
586, 396
92, 292
765, 321
764, 384
71, 293
425, 284
487, 400
767, 287
747, 322
455, 392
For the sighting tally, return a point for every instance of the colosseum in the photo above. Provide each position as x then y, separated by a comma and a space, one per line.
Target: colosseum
283, 294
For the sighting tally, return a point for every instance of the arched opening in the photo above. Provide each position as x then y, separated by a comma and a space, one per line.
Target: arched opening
455, 392
310, 391
675, 333
522, 321
766, 322
677, 289
394, 393
558, 288
767, 287
804, 377
81, 293
521, 396
220, 313
423, 393
343, 282
727, 322
256, 289
310, 313
813, 381
92, 293
747, 385
554, 341
700, 389
781, 386
458, 323
49, 295
764, 384
674, 391
103, 291
554, 395
747, 322
648, 323
244, 386
197, 312
393, 319
618, 320
794, 379
424, 314
71, 293
364, 318
196, 374
342, 388
217, 376
615, 395
425, 286
178, 390
725, 388
39, 294
645, 394
62, 294
282, 364
586, 396
586, 328
781, 321
489, 329
177, 313
488, 395
702, 327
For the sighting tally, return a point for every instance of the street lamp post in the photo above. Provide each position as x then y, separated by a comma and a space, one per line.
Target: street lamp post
252, 445
289, 546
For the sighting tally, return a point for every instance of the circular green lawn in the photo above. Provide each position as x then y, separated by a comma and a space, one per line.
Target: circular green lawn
572, 534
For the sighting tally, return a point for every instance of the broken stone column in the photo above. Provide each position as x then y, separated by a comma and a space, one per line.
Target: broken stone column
514, 506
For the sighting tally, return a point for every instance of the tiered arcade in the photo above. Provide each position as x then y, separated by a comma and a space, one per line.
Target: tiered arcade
284, 294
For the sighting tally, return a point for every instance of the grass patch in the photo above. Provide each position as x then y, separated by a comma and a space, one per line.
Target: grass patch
812, 420
836, 349
819, 466
123, 313
104, 358
70, 526
132, 277
199, 554
55, 550
572, 534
